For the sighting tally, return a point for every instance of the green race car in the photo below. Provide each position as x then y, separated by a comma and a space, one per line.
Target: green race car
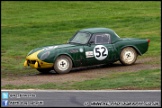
87, 47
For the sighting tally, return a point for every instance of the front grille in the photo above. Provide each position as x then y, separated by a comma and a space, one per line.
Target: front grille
31, 61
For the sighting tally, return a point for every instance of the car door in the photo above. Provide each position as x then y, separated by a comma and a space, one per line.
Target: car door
99, 50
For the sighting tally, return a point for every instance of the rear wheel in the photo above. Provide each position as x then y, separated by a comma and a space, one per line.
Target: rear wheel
44, 70
63, 64
128, 56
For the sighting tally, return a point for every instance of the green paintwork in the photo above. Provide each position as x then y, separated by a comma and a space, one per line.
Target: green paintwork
77, 52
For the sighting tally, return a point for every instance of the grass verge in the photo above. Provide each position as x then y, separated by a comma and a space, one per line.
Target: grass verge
141, 80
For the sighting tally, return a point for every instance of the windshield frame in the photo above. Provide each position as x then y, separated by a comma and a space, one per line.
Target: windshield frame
116, 34
70, 41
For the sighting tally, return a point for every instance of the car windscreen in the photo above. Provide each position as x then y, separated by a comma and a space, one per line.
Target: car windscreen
81, 38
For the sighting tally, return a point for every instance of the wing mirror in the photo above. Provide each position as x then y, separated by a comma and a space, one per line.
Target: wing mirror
91, 42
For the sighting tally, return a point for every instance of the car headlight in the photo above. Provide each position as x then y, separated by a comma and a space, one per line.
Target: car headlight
44, 55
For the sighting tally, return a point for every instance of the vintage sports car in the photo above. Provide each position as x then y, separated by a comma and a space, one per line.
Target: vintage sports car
87, 47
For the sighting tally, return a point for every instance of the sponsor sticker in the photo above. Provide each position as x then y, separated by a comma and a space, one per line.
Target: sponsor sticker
89, 54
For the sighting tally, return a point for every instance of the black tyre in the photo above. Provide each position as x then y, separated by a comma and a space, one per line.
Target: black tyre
44, 70
128, 56
62, 64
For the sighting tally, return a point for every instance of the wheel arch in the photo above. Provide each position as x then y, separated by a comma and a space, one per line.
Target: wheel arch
134, 47
65, 55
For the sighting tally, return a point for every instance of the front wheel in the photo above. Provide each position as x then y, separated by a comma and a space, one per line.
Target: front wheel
128, 56
63, 64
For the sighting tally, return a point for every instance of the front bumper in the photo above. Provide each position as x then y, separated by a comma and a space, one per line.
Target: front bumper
33, 61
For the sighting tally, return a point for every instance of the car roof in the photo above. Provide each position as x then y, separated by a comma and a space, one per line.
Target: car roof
97, 30
114, 36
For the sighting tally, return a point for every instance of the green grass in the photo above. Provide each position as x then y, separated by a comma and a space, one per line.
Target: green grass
145, 79
30, 24
126, 80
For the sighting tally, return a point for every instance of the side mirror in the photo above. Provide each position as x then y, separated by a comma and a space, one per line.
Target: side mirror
91, 42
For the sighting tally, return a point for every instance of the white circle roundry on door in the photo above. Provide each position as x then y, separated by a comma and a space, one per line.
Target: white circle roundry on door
100, 52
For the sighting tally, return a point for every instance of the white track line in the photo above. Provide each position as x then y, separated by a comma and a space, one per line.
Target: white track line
38, 90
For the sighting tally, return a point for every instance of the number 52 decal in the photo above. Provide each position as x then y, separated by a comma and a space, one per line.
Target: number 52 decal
100, 52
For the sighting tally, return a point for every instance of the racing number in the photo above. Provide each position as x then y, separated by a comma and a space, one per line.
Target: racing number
100, 52
104, 50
